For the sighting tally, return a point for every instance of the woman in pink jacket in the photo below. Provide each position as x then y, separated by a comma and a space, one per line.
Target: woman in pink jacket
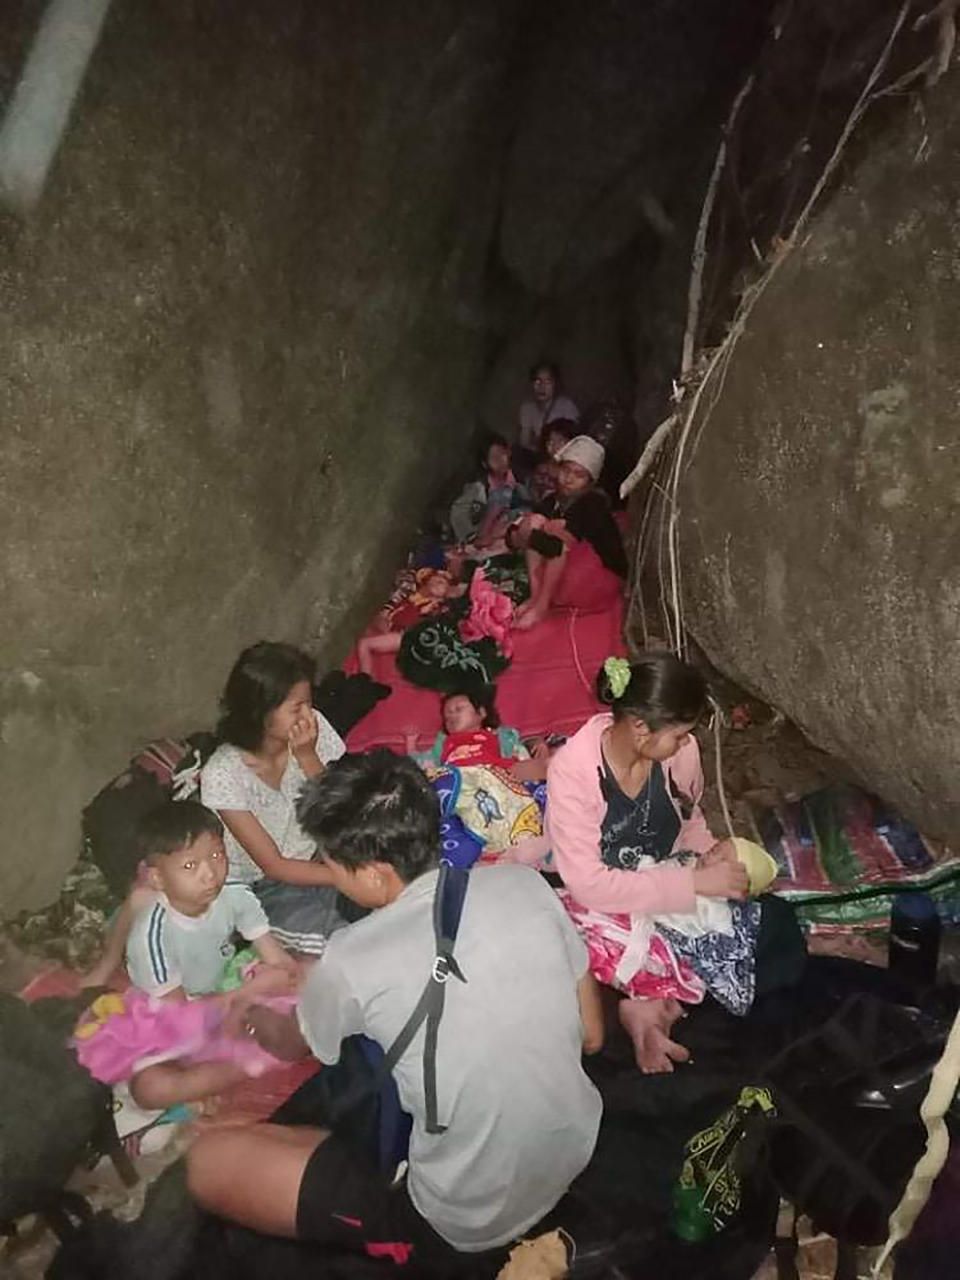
636, 856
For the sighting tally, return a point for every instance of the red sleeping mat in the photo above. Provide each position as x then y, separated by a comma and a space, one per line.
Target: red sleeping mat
547, 687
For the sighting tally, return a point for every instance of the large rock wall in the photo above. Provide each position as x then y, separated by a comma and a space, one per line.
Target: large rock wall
821, 512
241, 333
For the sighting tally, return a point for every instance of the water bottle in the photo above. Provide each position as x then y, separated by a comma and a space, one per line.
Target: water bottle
689, 1219
914, 939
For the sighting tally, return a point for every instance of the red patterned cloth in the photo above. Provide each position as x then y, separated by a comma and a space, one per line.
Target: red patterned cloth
664, 975
473, 746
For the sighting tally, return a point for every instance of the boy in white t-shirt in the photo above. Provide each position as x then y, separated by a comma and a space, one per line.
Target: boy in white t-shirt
181, 942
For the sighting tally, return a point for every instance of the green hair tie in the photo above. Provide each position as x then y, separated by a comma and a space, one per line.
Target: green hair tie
617, 671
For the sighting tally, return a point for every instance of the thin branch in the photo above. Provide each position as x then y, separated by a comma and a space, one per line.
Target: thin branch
700, 242
650, 451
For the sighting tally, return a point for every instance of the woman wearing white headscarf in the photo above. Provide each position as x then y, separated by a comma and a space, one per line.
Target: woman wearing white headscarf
575, 554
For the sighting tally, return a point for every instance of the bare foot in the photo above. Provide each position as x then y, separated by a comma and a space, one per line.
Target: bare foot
647, 1023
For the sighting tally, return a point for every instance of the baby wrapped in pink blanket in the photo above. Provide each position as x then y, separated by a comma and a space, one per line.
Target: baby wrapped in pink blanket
123, 1033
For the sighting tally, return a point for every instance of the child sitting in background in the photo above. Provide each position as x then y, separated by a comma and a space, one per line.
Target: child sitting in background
472, 735
178, 948
543, 479
482, 511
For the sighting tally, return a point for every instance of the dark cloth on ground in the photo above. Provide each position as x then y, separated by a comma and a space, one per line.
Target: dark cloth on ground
433, 655
344, 700
780, 958
932, 1248
53, 1112
590, 519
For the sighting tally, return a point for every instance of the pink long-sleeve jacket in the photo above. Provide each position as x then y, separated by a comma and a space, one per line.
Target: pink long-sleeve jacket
575, 812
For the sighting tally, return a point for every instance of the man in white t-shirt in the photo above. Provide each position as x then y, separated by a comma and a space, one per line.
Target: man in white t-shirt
518, 1117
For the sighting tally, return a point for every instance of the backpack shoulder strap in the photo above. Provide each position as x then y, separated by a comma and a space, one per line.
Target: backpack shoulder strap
447, 909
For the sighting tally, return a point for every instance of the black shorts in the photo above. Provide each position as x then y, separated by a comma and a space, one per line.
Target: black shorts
343, 1201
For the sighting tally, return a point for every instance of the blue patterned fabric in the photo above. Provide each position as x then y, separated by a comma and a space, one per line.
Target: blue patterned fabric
457, 845
725, 962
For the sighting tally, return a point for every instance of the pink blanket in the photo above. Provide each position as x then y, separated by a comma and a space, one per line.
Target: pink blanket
121, 1034
664, 975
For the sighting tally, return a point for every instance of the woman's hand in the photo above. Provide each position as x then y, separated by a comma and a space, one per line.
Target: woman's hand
303, 744
303, 735
721, 879
722, 851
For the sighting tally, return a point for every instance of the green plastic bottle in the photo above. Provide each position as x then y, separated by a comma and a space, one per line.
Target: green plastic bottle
689, 1219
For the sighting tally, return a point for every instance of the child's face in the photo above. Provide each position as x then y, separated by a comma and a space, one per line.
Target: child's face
459, 715
498, 459
193, 876
296, 705
437, 586
573, 478
554, 443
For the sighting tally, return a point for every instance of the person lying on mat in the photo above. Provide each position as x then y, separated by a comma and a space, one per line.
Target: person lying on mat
473, 735
173, 1047
433, 589
515, 1116
272, 741
575, 523
645, 880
